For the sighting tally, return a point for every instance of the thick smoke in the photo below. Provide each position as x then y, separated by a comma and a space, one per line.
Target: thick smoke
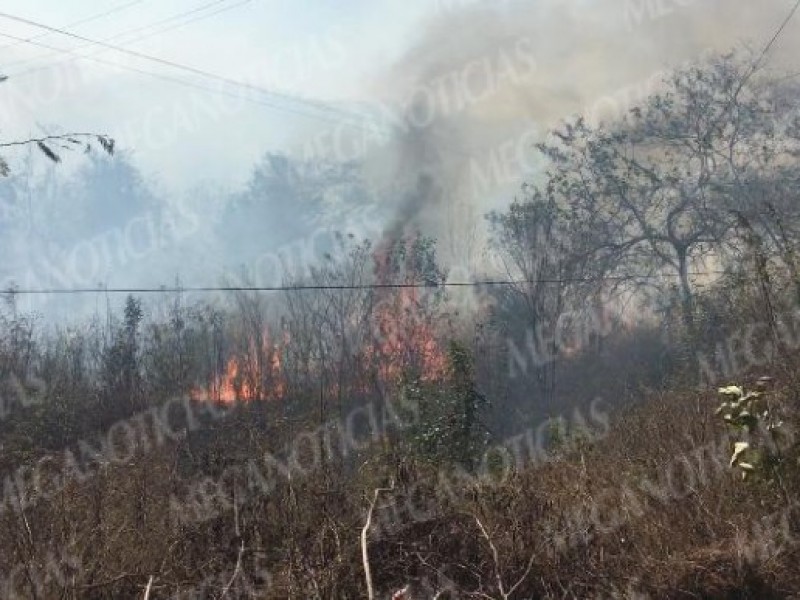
482, 83
450, 135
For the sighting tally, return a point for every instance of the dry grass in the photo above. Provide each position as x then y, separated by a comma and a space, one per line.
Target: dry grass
652, 508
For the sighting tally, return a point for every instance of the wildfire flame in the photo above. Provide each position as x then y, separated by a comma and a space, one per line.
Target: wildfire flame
406, 336
403, 342
257, 374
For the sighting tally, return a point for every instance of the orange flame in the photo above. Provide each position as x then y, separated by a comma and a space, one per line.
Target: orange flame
406, 338
404, 342
255, 375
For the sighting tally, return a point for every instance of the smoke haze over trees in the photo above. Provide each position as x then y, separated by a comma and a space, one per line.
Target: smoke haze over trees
506, 310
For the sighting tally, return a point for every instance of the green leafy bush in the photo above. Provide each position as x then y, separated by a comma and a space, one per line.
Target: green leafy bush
757, 426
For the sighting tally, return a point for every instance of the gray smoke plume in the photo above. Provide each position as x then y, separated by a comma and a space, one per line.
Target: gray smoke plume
482, 83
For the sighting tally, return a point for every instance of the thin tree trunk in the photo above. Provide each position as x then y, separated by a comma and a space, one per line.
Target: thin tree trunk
687, 298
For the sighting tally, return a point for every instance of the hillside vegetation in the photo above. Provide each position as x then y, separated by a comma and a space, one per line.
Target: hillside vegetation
618, 421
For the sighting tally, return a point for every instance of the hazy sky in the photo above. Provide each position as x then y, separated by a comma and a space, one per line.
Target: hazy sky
339, 52
308, 48
496, 74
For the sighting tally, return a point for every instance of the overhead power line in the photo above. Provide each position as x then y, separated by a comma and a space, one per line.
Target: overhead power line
350, 120
778, 33
77, 23
756, 64
122, 34
327, 112
189, 84
322, 287
321, 106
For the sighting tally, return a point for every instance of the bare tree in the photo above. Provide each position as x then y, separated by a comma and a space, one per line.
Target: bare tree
658, 187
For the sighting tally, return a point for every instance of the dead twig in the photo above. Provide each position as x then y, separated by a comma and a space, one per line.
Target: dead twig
364, 543
496, 558
238, 566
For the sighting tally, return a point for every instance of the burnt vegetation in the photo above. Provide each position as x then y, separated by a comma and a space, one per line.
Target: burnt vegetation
379, 434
